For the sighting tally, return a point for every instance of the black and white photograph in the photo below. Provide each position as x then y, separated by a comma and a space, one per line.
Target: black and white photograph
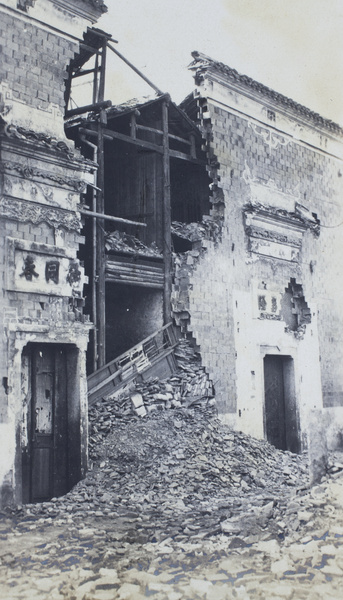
171, 312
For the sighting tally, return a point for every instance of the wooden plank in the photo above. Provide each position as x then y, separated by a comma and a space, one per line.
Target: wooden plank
120, 264
133, 349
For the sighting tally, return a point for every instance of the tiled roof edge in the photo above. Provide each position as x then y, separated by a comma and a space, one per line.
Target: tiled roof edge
202, 63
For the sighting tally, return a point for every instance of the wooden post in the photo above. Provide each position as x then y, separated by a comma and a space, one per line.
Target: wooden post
100, 252
102, 73
95, 78
94, 287
166, 211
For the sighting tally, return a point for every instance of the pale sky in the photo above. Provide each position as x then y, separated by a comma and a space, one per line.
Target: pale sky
293, 46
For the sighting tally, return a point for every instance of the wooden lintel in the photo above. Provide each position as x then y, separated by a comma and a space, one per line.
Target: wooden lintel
109, 134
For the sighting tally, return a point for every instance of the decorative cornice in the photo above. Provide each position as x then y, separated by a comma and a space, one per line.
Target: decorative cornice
32, 172
203, 65
23, 211
301, 218
39, 139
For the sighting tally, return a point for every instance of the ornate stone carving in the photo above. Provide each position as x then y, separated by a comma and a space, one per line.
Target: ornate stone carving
30, 172
40, 139
26, 211
301, 217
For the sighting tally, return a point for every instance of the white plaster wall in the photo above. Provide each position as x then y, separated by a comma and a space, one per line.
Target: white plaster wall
254, 338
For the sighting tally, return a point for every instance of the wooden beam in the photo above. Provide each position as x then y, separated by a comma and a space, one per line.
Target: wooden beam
109, 134
88, 108
151, 129
179, 139
154, 87
166, 212
100, 256
85, 72
91, 213
101, 91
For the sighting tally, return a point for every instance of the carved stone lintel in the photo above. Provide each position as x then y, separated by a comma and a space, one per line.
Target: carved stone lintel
273, 236
31, 172
28, 212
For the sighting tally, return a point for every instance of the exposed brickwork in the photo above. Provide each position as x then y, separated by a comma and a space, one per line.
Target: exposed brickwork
27, 66
247, 156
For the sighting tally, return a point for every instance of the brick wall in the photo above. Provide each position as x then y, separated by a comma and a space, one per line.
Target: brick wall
256, 156
27, 66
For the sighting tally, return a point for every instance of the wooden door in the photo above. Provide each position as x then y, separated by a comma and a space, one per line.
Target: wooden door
48, 435
274, 390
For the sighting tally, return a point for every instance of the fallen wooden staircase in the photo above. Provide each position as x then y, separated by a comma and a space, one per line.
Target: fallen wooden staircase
152, 357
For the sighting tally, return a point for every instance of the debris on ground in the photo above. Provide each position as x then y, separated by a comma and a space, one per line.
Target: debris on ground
177, 505
188, 387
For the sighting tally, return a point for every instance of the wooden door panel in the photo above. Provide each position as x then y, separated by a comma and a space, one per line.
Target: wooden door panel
47, 454
41, 474
60, 474
43, 373
274, 401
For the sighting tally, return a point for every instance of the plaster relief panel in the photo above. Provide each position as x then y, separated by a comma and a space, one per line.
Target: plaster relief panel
276, 232
34, 191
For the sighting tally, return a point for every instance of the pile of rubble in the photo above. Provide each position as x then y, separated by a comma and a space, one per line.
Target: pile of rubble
208, 229
182, 475
123, 242
188, 387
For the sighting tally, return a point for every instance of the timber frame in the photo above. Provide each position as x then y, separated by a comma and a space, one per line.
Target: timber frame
96, 128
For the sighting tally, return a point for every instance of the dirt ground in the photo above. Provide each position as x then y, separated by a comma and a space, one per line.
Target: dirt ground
177, 506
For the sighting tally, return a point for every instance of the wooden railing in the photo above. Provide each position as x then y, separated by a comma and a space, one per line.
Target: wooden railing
132, 363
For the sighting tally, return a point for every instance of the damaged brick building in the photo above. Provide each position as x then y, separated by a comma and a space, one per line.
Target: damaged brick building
264, 301
44, 335
218, 219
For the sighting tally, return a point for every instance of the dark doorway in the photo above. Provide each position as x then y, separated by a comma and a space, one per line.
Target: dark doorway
45, 457
281, 422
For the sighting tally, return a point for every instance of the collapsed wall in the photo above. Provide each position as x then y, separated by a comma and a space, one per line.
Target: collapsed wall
262, 301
